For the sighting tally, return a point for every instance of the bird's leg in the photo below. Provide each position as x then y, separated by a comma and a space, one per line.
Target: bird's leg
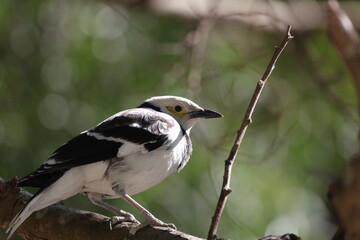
149, 218
122, 216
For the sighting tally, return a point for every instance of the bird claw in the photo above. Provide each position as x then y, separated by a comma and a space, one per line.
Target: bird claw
126, 218
151, 222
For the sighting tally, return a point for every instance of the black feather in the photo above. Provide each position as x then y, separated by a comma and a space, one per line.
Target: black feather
149, 105
148, 128
78, 151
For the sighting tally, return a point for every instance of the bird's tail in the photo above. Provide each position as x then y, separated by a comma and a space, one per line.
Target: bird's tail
36, 203
61, 189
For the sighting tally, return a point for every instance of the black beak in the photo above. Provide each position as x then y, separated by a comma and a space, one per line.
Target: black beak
205, 114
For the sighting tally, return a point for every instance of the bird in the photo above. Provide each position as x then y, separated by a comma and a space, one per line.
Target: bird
126, 154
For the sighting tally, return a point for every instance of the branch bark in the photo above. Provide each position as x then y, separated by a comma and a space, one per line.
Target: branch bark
59, 222
344, 195
226, 190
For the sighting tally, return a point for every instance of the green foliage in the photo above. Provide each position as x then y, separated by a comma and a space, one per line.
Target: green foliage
66, 65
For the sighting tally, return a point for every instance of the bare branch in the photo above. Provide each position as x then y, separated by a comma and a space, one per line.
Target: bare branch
344, 197
225, 190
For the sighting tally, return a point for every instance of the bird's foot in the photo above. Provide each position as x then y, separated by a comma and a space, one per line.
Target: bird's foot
151, 222
125, 218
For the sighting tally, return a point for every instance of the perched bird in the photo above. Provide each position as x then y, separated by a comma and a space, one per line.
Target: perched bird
125, 154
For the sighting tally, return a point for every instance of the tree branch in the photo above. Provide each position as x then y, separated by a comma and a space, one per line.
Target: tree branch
226, 190
344, 195
59, 222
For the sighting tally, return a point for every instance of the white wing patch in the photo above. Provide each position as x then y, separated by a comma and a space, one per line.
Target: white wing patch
136, 125
99, 136
51, 161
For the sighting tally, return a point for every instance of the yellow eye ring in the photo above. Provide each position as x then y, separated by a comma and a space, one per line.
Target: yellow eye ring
177, 110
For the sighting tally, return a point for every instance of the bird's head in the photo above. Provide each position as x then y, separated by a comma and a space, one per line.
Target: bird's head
186, 112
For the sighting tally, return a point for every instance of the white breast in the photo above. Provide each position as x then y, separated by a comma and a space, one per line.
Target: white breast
141, 170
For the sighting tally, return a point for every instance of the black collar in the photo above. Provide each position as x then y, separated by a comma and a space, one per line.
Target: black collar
149, 105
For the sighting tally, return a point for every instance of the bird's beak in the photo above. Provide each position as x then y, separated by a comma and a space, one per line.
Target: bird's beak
205, 113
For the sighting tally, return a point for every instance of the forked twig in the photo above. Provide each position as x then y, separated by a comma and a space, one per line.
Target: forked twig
226, 190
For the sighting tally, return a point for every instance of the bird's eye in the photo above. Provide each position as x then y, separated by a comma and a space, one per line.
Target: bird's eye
178, 108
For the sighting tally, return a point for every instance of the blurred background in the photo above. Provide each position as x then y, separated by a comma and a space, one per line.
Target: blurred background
67, 65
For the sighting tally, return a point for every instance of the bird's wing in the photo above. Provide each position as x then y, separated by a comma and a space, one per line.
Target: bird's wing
146, 128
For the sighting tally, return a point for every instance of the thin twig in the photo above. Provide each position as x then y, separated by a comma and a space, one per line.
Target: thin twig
225, 190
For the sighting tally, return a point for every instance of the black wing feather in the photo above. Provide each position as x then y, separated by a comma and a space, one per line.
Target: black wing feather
140, 126
82, 149
148, 128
